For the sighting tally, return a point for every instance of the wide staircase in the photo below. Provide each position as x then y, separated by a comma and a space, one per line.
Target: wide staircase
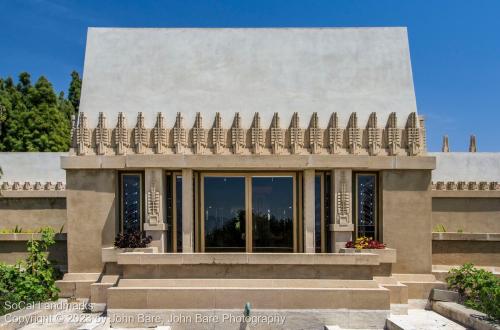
308, 290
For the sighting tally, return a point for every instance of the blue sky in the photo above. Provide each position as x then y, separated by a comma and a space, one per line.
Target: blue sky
455, 45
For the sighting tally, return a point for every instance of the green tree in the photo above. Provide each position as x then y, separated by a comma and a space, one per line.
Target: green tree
74, 90
36, 119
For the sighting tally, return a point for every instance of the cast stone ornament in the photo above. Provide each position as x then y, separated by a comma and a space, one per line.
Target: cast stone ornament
179, 133
315, 135
101, 135
237, 135
277, 139
121, 135
153, 205
198, 135
296, 135
160, 134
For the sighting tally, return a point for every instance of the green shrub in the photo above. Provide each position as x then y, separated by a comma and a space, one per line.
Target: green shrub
31, 280
478, 289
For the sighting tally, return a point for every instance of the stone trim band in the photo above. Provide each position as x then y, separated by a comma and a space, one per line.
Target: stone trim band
463, 185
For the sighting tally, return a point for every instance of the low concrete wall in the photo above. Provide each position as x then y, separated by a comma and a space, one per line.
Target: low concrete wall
460, 248
13, 248
475, 215
32, 213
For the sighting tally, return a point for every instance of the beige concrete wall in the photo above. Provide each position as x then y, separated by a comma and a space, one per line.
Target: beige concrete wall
13, 251
91, 217
32, 213
480, 253
406, 218
476, 215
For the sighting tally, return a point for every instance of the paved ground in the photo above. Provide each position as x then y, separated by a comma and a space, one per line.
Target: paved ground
77, 318
419, 319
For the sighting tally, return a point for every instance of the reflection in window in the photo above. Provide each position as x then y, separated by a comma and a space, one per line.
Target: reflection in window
321, 212
317, 213
272, 214
366, 205
173, 192
131, 202
178, 209
224, 210
169, 190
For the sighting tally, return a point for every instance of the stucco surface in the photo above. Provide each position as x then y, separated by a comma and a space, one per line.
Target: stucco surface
406, 219
474, 215
466, 166
91, 217
264, 70
32, 213
459, 252
32, 166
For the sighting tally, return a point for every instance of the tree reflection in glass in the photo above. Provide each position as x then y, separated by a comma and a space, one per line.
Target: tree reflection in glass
131, 194
224, 210
366, 205
272, 214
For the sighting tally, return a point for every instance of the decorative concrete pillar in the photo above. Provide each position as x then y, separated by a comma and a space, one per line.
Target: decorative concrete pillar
155, 195
309, 211
341, 227
187, 211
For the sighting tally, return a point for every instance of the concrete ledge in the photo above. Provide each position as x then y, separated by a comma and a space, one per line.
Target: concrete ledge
33, 194
246, 283
29, 236
469, 317
230, 318
465, 193
217, 162
495, 237
110, 254
234, 293
444, 295
386, 256
132, 258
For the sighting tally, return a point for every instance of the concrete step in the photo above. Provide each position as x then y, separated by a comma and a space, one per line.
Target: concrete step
419, 285
98, 290
421, 320
76, 285
398, 291
235, 293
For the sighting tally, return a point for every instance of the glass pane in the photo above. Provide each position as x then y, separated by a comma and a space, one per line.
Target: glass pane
169, 212
224, 214
131, 194
178, 210
327, 189
366, 205
317, 213
272, 214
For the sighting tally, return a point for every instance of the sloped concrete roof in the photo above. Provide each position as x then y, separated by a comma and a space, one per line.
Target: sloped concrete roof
32, 167
466, 166
264, 70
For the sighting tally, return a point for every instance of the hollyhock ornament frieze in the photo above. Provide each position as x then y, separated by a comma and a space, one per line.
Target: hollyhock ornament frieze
258, 139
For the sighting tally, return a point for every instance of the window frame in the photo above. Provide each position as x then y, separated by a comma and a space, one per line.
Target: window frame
355, 202
141, 198
248, 205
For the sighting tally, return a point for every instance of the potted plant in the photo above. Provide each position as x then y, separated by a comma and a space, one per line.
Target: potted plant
369, 245
131, 241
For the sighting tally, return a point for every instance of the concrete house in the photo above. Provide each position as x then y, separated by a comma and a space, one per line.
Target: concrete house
251, 157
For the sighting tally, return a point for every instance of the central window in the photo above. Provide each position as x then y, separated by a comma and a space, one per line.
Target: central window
247, 212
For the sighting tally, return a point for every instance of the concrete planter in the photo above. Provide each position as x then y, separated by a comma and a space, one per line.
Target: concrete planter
386, 256
110, 254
